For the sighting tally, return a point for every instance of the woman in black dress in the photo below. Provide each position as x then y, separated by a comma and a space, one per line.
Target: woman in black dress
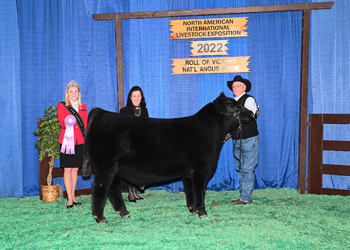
136, 105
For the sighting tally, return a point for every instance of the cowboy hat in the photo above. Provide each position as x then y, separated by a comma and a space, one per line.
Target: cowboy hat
238, 78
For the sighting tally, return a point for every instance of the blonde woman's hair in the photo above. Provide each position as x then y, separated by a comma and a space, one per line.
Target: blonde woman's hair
72, 84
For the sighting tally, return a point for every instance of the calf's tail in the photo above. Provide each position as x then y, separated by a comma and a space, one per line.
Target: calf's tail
86, 169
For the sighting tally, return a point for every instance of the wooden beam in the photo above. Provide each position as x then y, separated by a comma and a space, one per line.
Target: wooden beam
102, 17
331, 191
336, 119
336, 169
336, 145
59, 172
215, 11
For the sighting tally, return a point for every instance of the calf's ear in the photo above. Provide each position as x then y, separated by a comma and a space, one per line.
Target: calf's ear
223, 103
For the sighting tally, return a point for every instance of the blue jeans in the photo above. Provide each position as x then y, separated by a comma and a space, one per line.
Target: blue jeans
249, 162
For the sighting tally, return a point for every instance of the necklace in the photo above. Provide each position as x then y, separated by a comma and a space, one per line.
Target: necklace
137, 111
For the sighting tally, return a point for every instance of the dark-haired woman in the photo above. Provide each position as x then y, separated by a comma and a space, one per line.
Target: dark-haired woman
136, 105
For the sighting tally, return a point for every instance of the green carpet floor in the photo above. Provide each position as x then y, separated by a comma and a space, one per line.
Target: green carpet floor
277, 219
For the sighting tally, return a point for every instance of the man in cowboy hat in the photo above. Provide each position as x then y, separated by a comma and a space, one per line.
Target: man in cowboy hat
246, 155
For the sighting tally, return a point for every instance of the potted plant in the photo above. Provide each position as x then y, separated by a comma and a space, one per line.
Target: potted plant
47, 143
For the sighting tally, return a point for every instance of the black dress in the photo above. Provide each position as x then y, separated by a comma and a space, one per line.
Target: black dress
137, 111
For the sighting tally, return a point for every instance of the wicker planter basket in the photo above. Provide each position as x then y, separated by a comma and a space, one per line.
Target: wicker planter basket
49, 193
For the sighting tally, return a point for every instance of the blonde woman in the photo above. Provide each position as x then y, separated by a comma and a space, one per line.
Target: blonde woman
72, 138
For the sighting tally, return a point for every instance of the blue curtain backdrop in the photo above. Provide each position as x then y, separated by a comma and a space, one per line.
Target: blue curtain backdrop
12, 167
45, 44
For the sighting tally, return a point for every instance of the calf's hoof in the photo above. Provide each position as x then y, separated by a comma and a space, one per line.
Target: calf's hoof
202, 214
124, 214
192, 211
100, 221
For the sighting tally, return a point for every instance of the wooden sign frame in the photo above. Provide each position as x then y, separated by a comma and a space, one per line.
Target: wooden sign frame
304, 7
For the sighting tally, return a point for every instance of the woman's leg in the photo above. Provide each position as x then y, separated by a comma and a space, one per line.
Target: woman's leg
68, 184
74, 182
137, 197
133, 196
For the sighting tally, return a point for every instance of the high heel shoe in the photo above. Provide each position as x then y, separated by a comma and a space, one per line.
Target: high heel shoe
130, 200
139, 198
77, 203
69, 206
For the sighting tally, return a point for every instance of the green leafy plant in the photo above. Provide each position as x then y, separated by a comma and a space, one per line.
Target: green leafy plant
48, 134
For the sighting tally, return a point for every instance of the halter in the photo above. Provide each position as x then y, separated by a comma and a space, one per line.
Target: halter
228, 114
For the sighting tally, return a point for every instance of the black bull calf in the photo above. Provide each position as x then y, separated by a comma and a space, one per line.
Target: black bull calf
148, 150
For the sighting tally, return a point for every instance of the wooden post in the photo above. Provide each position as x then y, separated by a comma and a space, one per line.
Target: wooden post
119, 54
303, 101
314, 183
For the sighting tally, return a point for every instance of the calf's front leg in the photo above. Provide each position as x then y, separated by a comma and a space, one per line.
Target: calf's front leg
101, 186
199, 185
116, 198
